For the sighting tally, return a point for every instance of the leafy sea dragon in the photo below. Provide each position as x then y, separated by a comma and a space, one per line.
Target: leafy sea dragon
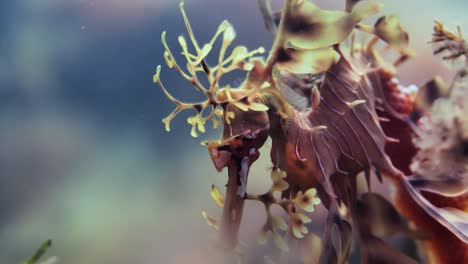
322, 146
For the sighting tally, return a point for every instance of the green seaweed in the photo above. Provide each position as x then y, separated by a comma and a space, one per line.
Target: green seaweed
40, 252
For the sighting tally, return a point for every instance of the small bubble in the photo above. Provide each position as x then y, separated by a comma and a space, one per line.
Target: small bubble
83, 27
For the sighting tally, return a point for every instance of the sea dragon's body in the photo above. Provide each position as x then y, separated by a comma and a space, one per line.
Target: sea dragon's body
349, 138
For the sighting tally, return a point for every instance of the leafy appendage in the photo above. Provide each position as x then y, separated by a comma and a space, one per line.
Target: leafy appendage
274, 224
451, 45
217, 98
388, 30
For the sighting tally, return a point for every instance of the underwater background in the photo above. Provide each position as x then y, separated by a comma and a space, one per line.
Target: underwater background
84, 157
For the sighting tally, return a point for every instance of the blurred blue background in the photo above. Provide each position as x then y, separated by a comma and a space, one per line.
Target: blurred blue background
84, 157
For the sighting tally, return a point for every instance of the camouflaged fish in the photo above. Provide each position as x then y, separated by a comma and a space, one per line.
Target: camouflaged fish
323, 104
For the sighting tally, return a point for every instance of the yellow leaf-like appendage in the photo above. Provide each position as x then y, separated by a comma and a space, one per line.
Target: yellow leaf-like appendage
210, 220
217, 197
216, 97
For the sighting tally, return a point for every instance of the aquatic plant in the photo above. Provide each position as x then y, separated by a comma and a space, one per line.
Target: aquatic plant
336, 113
40, 252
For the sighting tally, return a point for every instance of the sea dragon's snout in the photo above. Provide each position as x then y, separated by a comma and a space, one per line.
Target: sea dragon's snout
237, 153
